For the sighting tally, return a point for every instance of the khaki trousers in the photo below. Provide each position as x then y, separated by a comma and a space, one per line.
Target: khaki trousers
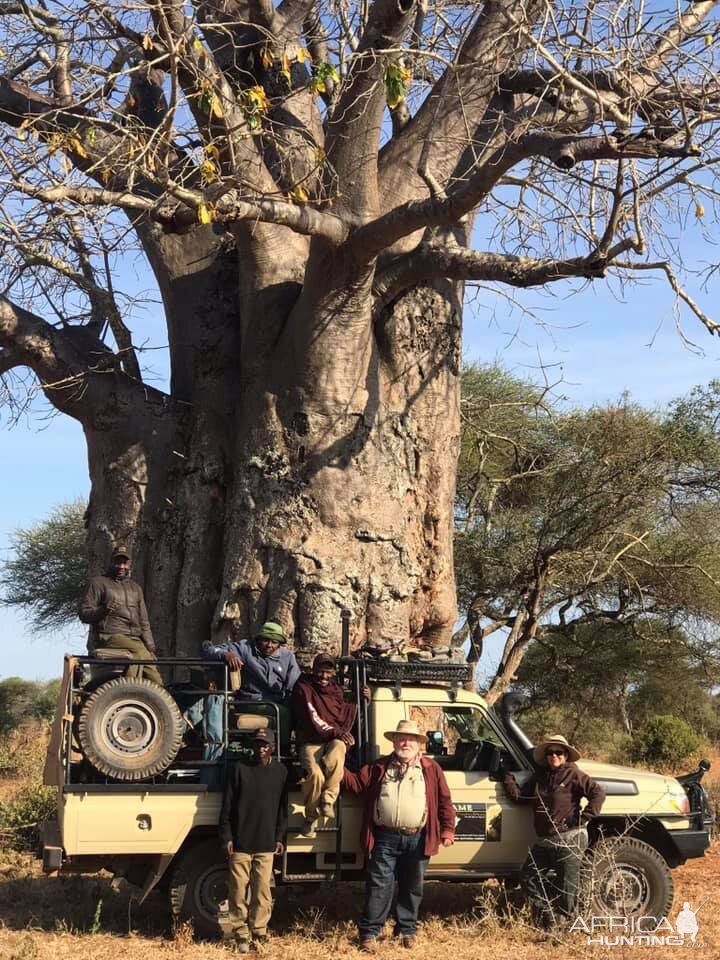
136, 647
253, 870
323, 764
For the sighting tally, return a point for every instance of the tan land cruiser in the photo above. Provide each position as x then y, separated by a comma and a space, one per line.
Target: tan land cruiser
139, 787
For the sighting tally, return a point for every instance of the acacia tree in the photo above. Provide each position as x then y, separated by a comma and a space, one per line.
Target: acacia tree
587, 534
311, 219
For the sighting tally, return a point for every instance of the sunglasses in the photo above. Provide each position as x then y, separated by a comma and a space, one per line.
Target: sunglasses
554, 753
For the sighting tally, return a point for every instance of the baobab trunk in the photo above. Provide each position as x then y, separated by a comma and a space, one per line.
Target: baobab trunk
284, 487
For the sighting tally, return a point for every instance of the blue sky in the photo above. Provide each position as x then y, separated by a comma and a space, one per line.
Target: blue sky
597, 343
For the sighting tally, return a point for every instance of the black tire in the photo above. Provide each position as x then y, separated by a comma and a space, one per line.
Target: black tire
198, 889
130, 729
628, 878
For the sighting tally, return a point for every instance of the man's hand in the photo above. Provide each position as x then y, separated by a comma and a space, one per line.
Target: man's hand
233, 660
111, 607
279, 849
366, 693
229, 849
447, 841
348, 739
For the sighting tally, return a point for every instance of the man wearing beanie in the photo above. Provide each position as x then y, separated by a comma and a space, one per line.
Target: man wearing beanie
324, 721
114, 607
253, 821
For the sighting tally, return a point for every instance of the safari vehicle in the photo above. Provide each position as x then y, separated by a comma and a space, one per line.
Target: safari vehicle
135, 797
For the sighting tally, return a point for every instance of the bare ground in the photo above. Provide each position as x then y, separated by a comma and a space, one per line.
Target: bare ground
81, 917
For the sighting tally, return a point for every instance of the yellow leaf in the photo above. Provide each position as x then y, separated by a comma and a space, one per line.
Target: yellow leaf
709, 39
106, 175
197, 45
319, 86
216, 107
205, 213
285, 62
147, 42
699, 211
266, 58
212, 152
258, 98
55, 141
2, 53
300, 194
208, 171
303, 55
77, 145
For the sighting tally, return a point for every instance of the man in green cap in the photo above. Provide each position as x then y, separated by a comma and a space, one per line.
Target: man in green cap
269, 669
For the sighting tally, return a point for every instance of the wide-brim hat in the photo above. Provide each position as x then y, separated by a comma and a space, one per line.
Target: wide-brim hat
271, 631
554, 740
408, 728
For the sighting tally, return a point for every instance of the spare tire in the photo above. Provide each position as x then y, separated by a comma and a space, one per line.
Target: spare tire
130, 729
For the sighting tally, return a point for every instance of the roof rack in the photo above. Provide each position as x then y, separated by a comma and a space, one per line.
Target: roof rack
418, 671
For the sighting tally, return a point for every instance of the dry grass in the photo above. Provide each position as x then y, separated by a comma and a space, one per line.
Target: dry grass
82, 918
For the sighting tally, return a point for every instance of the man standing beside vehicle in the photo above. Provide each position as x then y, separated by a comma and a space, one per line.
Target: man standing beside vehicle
253, 821
408, 815
554, 793
114, 607
324, 720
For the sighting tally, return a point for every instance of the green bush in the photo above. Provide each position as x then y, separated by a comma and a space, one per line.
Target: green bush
22, 814
663, 739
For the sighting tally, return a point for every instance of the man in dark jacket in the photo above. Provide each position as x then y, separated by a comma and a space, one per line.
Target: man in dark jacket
253, 821
408, 815
555, 793
323, 721
114, 606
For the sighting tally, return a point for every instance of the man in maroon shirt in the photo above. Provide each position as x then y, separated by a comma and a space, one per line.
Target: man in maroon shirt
408, 815
323, 720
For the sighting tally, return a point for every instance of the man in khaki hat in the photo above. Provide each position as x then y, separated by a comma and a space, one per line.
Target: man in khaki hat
555, 792
114, 607
408, 815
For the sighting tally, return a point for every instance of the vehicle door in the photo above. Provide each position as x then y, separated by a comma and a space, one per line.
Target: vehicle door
492, 834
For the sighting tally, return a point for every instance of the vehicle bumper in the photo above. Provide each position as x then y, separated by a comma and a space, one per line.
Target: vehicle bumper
690, 843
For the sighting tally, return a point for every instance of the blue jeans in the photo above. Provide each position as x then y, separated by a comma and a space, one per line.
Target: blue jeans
394, 857
209, 711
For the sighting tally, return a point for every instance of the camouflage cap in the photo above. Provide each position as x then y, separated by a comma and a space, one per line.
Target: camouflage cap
120, 550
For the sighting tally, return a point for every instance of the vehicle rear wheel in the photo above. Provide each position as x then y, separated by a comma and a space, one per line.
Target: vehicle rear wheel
130, 729
629, 878
198, 889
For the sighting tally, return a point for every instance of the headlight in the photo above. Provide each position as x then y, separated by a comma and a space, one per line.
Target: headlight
679, 800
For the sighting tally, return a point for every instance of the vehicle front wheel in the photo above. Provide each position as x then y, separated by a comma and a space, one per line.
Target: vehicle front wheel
198, 889
628, 878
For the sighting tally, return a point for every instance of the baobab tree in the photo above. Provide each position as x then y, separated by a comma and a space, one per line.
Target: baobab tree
312, 186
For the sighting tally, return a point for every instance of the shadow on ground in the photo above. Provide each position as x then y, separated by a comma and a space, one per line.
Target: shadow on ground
88, 904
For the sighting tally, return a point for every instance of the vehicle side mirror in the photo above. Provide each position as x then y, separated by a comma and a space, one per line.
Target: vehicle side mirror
496, 768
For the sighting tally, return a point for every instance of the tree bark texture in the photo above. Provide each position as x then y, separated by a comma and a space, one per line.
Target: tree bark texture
312, 474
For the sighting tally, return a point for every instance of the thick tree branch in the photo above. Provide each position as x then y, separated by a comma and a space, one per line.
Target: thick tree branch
353, 132
563, 151
430, 261
445, 123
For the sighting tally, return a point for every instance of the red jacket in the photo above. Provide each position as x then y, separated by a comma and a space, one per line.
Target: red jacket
440, 810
